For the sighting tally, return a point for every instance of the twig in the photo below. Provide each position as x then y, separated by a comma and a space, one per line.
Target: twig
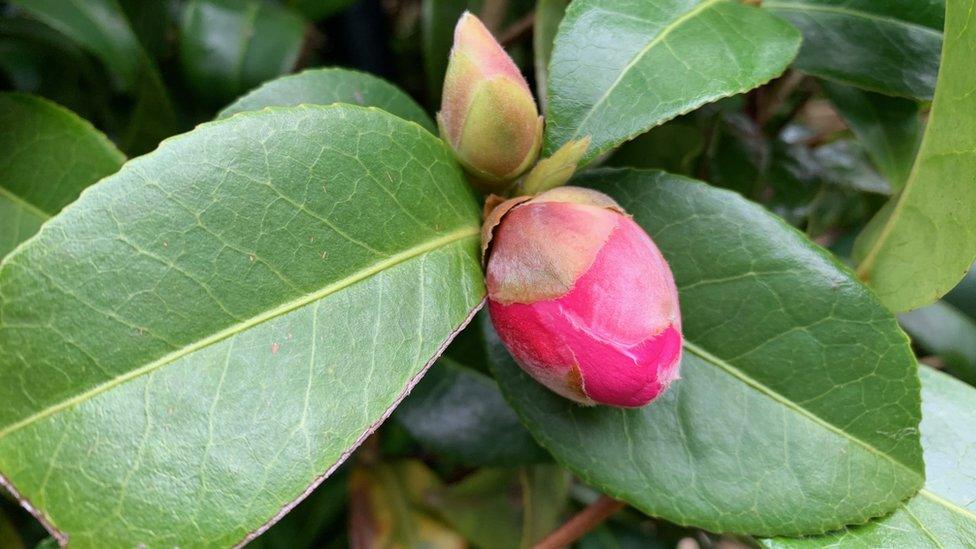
581, 523
518, 29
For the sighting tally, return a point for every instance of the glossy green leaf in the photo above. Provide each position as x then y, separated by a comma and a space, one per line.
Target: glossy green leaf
943, 514
890, 47
621, 68
48, 155
921, 244
100, 26
230, 46
797, 386
548, 15
327, 86
460, 413
943, 330
844, 163
887, 127
210, 331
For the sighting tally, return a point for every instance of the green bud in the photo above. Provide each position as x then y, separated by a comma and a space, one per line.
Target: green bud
488, 115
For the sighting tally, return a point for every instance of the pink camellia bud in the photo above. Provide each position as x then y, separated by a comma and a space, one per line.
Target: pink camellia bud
488, 115
582, 298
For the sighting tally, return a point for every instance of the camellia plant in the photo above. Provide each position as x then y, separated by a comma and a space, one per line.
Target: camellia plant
242, 306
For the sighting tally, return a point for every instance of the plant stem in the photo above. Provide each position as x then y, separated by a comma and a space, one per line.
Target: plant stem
518, 29
581, 523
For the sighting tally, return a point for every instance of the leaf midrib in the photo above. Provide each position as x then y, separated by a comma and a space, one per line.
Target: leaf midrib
230, 331
766, 390
795, 6
665, 31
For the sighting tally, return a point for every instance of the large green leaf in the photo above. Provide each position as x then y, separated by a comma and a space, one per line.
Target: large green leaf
944, 330
229, 46
620, 68
890, 46
460, 413
888, 127
210, 331
943, 514
921, 244
101, 27
797, 386
334, 85
48, 155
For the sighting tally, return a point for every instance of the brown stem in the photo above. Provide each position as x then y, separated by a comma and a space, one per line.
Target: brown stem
581, 523
517, 30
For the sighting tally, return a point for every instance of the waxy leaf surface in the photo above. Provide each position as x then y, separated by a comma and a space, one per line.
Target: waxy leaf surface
210, 331
886, 46
619, 68
943, 514
797, 386
328, 86
923, 241
48, 155
229, 46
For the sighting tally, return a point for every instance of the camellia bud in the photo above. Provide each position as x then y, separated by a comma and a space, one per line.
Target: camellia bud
488, 115
582, 298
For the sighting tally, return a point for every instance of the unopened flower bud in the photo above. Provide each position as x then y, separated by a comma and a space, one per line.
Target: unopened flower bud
488, 115
582, 298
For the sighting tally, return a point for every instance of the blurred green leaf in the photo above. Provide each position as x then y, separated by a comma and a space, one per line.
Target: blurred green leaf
229, 46
797, 386
437, 21
889, 46
48, 155
620, 68
921, 244
943, 330
548, 15
333, 85
505, 508
385, 508
963, 295
738, 154
844, 163
673, 147
460, 413
9, 538
101, 27
888, 128
618, 536
316, 10
943, 514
